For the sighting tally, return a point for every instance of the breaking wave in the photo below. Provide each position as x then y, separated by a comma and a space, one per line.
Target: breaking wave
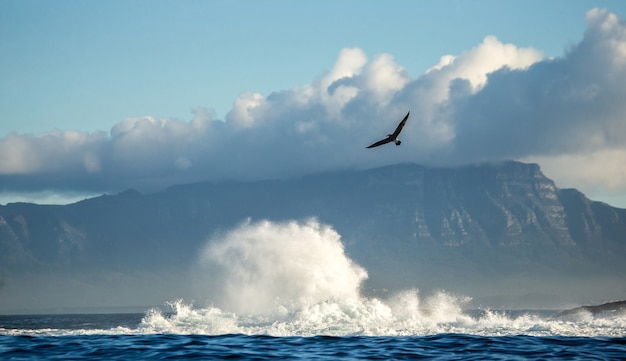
375, 317
295, 279
269, 268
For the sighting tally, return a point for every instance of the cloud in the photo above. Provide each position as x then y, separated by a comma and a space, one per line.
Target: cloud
50, 152
556, 106
493, 101
566, 113
601, 172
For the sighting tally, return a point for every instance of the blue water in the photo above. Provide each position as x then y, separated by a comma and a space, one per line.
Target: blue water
184, 332
260, 347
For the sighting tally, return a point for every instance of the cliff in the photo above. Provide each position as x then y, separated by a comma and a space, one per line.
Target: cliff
408, 225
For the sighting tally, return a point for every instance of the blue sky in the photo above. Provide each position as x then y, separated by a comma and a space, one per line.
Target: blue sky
87, 65
84, 82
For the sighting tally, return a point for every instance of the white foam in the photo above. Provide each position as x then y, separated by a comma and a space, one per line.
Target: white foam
266, 267
376, 317
294, 279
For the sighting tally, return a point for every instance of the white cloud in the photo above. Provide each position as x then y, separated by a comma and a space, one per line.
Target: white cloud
384, 78
45, 197
246, 110
17, 155
55, 151
494, 101
608, 33
572, 104
349, 63
491, 55
602, 172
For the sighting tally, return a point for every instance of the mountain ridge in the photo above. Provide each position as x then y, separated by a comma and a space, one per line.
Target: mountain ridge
404, 223
506, 204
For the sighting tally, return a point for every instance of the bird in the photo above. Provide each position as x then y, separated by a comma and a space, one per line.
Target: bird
393, 137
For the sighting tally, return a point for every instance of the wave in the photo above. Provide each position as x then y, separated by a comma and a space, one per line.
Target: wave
295, 279
405, 314
399, 316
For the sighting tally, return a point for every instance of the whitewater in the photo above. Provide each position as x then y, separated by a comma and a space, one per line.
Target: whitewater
292, 281
400, 316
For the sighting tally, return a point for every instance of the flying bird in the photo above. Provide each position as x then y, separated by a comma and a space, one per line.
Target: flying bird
393, 137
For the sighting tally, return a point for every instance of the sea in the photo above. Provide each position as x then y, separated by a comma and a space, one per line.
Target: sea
289, 291
331, 330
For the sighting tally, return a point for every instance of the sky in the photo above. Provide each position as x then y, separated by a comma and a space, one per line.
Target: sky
101, 96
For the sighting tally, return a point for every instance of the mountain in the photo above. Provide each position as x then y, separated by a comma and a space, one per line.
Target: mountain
489, 229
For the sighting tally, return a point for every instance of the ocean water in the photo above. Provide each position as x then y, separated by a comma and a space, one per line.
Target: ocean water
326, 331
289, 291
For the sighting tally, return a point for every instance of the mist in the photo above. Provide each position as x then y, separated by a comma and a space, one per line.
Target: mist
261, 266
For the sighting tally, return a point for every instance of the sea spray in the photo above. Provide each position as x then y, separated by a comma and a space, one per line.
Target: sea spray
294, 279
368, 317
183, 318
265, 267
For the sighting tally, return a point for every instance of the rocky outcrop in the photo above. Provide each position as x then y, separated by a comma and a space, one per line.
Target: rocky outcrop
609, 309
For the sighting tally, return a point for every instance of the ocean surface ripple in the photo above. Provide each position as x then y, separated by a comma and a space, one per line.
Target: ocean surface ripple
185, 334
262, 347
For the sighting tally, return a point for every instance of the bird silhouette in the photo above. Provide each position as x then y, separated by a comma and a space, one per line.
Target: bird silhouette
393, 137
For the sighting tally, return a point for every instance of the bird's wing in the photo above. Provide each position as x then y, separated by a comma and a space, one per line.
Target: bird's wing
401, 125
380, 142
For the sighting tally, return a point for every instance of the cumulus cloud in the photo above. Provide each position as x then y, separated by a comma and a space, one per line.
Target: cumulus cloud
601, 172
558, 106
493, 101
50, 152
